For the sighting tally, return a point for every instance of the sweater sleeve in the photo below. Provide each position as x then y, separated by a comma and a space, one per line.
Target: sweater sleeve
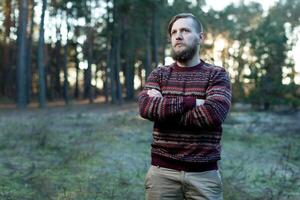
216, 105
161, 108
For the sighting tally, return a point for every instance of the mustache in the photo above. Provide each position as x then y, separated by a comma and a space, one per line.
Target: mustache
179, 43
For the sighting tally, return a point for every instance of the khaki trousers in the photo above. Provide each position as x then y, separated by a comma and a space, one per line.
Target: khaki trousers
168, 184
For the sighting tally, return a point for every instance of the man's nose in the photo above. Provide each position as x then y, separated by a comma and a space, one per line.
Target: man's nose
179, 36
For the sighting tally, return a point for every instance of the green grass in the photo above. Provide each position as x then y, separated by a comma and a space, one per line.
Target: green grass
260, 156
103, 152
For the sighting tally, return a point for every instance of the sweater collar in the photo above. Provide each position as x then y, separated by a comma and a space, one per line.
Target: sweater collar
186, 69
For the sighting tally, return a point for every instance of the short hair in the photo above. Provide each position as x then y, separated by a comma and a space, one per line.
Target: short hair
197, 23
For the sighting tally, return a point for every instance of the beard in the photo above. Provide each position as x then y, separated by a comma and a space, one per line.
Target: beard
184, 55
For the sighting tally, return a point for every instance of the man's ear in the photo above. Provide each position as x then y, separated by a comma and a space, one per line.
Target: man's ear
201, 37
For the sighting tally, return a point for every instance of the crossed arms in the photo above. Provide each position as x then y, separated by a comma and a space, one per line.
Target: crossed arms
188, 110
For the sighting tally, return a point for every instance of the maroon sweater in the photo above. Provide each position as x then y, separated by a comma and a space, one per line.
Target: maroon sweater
185, 136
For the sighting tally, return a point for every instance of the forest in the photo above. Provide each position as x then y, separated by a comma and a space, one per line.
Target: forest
63, 50
70, 73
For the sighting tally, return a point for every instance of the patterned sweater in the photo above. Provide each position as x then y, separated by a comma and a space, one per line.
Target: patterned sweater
185, 136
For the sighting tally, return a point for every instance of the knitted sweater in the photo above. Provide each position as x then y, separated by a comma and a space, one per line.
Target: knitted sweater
185, 136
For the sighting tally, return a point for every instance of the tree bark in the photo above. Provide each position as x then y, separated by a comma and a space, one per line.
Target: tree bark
90, 62
76, 91
6, 49
57, 84
148, 54
41, 61
155, 28
29, 55
66, 82
111, 63
65, 66
118, 33
21, 61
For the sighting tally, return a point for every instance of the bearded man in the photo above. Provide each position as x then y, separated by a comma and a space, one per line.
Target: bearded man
188, 101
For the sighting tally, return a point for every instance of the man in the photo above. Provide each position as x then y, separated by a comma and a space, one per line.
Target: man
188, 101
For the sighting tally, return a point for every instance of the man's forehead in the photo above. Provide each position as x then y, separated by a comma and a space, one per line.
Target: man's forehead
183, 22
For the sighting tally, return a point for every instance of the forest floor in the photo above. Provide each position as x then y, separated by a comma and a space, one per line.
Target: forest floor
102, 151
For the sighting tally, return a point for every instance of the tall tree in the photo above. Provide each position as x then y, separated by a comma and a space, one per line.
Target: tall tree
21, 62
111, 47
65, 65
41, 62
269, 46
117, 35
155, 28
76, 90
58, 64
89, 48
88, 72
29, 54
238, 26
6, 49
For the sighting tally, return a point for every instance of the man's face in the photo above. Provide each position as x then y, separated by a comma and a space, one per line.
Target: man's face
184, 40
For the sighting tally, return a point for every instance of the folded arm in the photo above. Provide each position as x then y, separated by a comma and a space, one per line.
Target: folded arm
155, 107
213, 110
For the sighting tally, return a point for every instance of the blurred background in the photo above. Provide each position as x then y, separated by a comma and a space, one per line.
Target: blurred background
84, 61
94, 50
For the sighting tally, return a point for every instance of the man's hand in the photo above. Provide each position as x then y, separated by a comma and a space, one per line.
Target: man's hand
154, 93
199, 102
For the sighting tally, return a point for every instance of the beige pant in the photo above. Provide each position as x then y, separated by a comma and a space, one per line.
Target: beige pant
168, 184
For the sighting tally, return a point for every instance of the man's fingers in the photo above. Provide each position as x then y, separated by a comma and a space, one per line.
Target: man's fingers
199, 102
154, 93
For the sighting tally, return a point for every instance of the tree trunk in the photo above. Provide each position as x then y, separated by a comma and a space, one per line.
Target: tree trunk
148, 54
129, 74
41, 61
57, 84
109, 83
129, 70
76, 92
6, 49
111, 68
66, 82
155, 28
105, 84
21, 62
164, 44
90, 61
29, 55
118, 33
